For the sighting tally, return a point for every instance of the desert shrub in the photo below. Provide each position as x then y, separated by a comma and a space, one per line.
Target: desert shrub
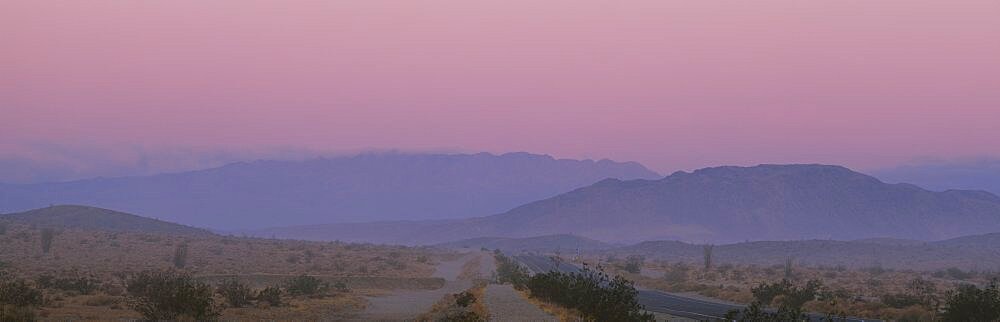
958, 274
270, 295
17, 299
3, 228
465, 299
74, 281
306, 285
900, 300
633, 264
792, 296
676, 274
180, 256
341, 287
509, 271
47, 236
169, 295
755, 313
970, 303
593, 293
236, 294
100, 300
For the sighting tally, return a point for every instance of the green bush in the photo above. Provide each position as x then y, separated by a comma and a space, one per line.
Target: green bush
306, 285
509, 271
236, 294
270, 295
970, 303
597, 296
169, 295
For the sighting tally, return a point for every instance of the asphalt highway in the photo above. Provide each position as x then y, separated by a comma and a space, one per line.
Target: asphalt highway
657, 301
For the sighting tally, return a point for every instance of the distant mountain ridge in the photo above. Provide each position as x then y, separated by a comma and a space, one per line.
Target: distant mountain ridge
92, 218
366, 187
564, 243
723, 204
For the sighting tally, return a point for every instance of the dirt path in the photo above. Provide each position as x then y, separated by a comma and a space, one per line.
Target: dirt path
406, 305
506, 304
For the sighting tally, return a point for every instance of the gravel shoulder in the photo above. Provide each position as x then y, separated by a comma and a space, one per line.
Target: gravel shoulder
406, 305
506, 304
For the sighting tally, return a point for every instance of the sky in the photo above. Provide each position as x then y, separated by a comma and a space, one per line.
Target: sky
671, 84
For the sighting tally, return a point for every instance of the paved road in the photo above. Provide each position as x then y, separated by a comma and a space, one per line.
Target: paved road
655, 301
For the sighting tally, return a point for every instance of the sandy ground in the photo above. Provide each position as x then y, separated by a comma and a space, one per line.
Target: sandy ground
406, 305
506, 304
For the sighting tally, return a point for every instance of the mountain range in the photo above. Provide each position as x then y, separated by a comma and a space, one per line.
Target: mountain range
366, 187
720, 204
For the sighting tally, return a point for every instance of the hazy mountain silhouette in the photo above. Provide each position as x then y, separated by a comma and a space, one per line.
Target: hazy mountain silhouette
723, 204
548, 243
92, 218
366, 187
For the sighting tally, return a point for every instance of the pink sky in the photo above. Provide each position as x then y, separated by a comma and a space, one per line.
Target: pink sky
672, 84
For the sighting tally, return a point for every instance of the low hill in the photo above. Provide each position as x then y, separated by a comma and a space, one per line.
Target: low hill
766, 202
550, 243
970, 253
91, 218
367, 187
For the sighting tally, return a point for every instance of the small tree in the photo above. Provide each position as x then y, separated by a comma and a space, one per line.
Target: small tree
47, 235
180, 256
707, 250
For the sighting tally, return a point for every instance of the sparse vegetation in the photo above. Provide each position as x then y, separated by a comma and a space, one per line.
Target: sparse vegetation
73, 280
170, 295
